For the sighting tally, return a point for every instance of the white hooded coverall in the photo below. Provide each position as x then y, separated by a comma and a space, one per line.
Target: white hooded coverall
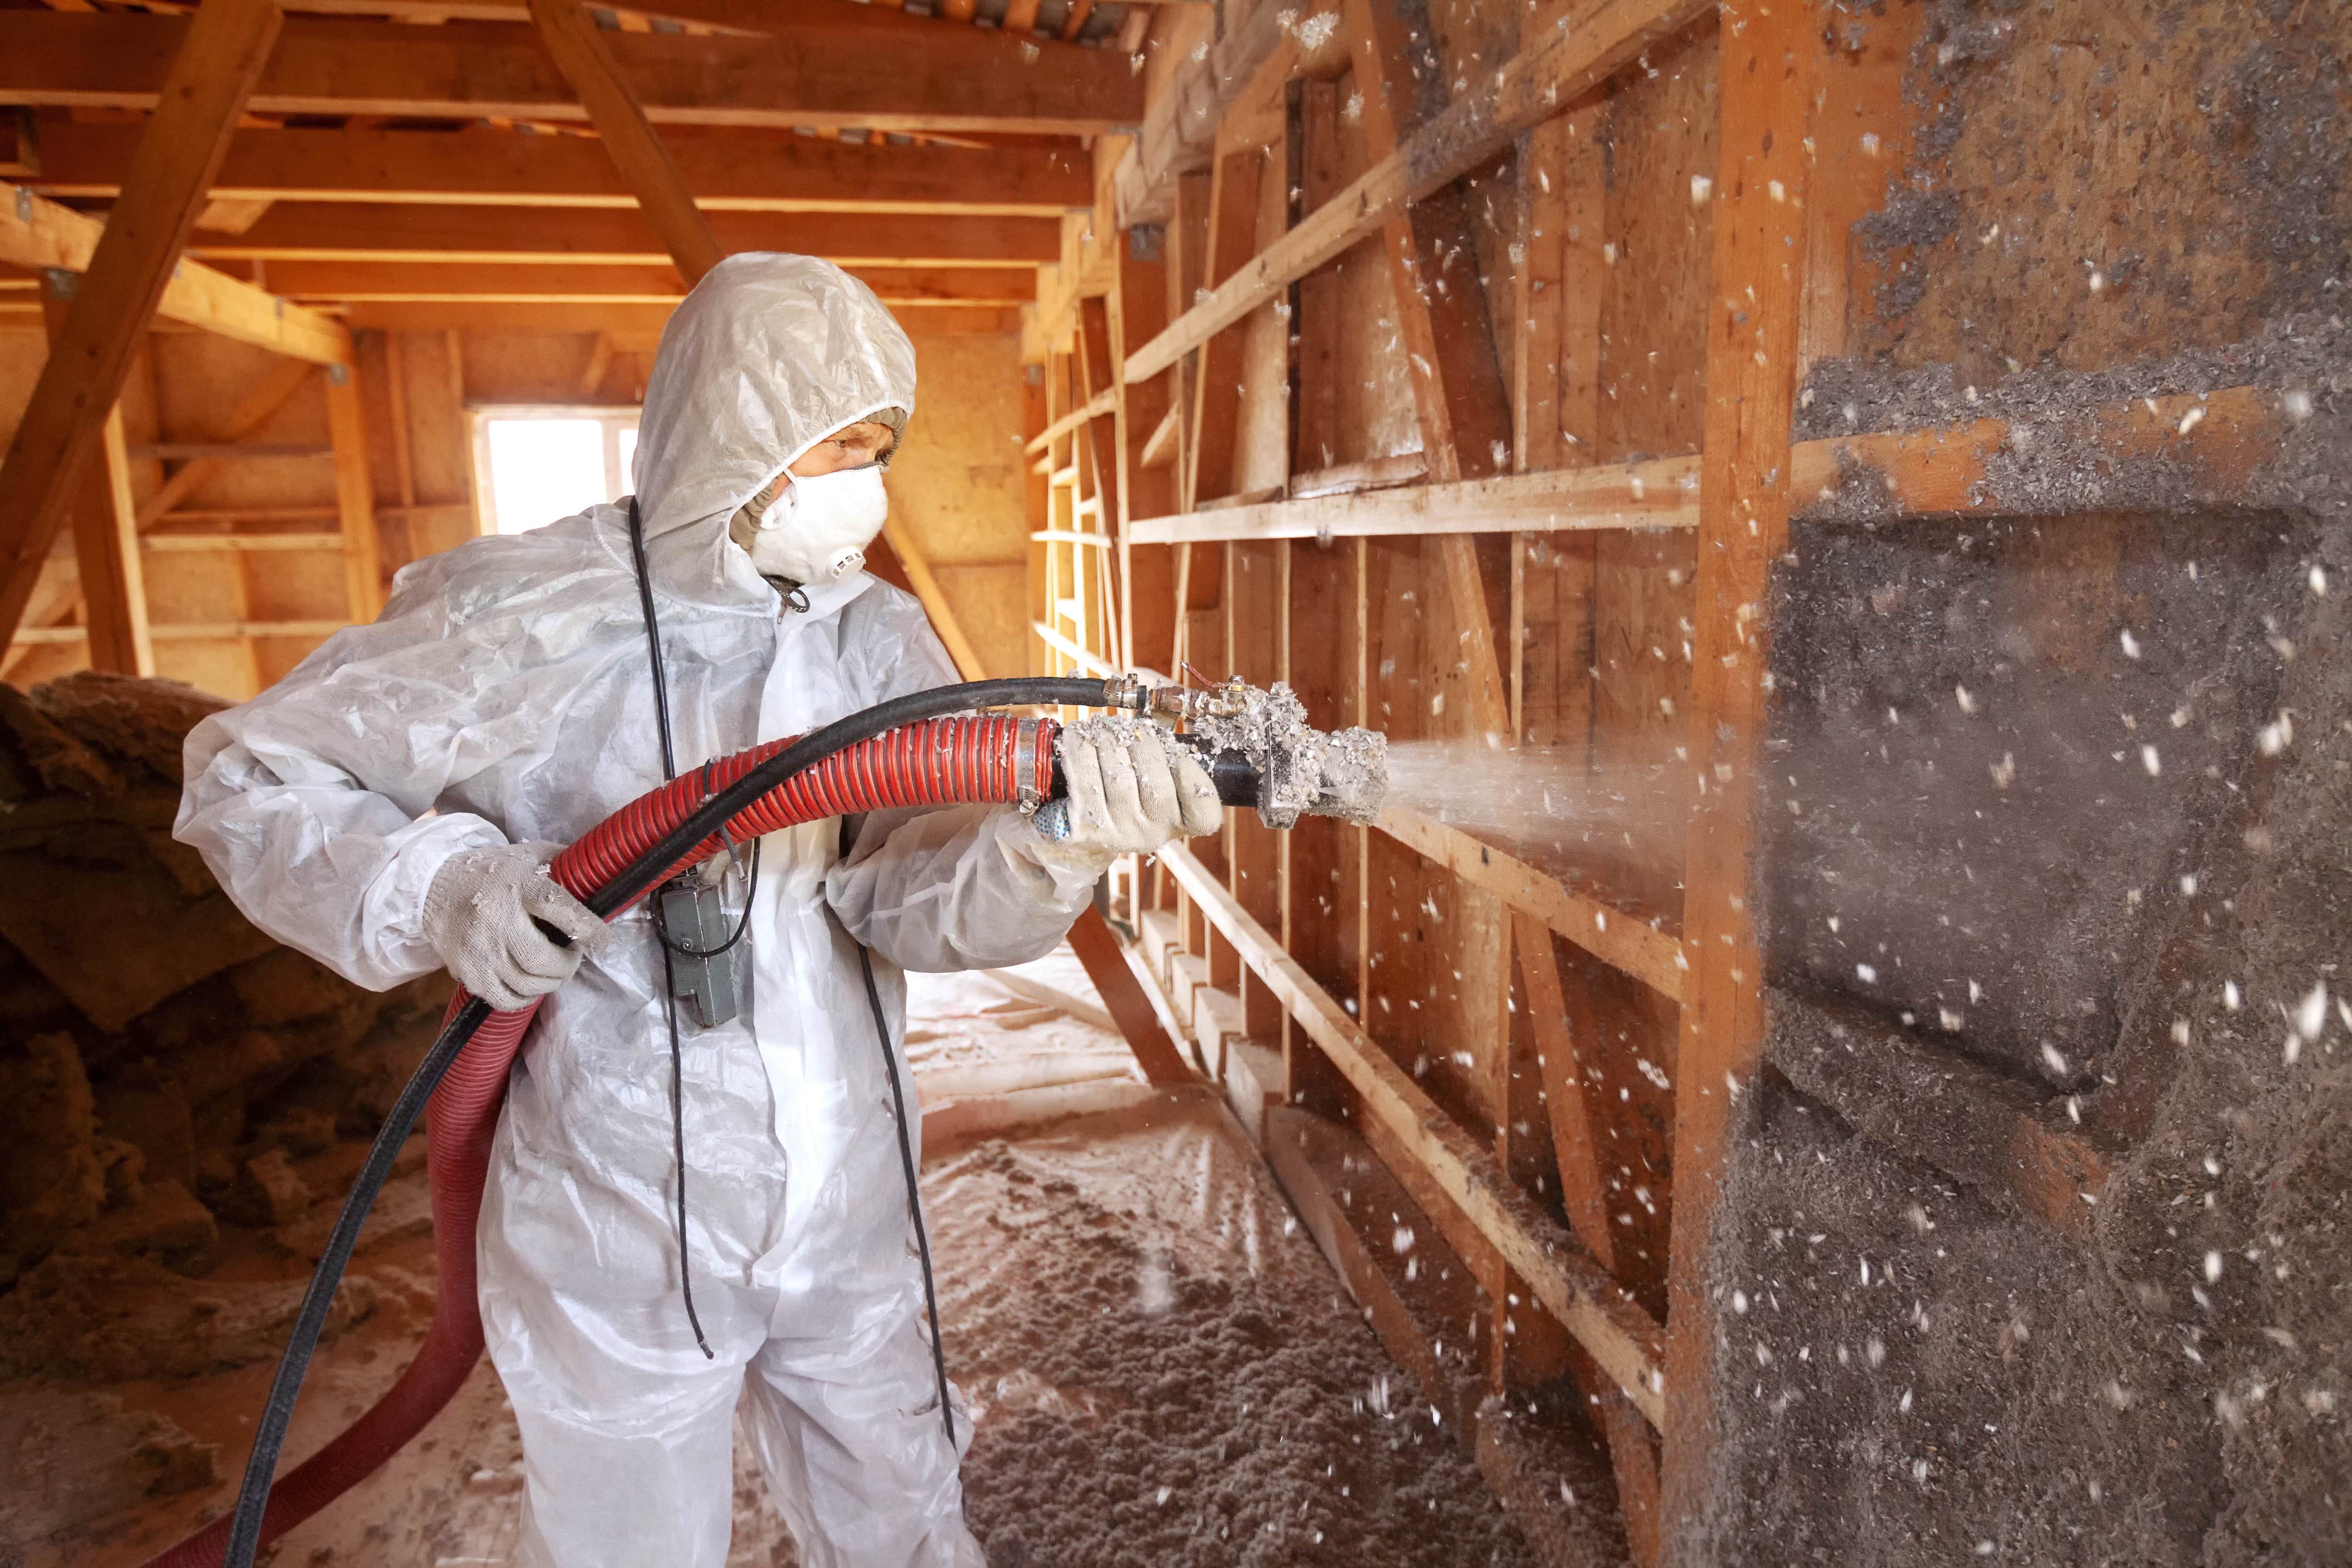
506, 695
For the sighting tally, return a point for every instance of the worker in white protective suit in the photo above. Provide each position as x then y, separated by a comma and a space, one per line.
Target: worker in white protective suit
388, 809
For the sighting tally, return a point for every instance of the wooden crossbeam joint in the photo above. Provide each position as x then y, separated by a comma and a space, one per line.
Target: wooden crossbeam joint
572, 40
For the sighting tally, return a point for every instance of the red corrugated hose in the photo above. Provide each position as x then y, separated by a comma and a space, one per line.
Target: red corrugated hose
940, 762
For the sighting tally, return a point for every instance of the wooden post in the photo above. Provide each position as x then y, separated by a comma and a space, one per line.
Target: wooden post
1216, 388
572, 39
227, 43
354, 494
1752, 336
106, 529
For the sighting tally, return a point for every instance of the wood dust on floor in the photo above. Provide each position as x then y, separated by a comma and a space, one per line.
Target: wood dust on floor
1161, 1367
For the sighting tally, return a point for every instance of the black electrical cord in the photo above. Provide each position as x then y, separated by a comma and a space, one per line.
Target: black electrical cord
661, 928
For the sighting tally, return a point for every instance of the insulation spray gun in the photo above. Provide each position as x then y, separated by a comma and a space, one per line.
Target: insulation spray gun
1259, 750
1256, 745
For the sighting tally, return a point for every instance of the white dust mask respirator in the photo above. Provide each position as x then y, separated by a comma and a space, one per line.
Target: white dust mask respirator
817, 529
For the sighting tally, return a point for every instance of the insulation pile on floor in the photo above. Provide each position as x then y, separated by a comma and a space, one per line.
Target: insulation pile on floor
1162, 1367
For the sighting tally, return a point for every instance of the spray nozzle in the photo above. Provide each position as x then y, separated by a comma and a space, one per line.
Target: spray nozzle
1262, 752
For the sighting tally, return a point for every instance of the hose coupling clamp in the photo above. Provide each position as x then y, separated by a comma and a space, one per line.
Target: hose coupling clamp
1025, 764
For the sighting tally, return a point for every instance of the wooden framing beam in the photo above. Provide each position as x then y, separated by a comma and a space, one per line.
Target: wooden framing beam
219, 59
827, 69
36, 234
354, 495
577, 46
1100, 949
1626, 943
935, 603
1624, 1338
1755, 283
493, 282
1661, 493
2013, 1146
483, 166
189, 631
634, 327
1096, 407
1093, 664
358, 231
238, 544
113, 589
1591, 41
2210, 444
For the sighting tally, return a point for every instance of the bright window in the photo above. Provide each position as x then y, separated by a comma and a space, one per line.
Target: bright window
539, 465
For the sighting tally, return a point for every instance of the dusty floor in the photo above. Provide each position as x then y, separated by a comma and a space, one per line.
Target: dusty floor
1163, 1368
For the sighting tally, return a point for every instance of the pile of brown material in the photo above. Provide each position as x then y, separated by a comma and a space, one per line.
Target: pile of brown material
165, 1062
177, 1092
1164, 1370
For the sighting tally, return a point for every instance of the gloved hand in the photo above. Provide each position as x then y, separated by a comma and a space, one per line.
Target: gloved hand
1132, 790
479, 913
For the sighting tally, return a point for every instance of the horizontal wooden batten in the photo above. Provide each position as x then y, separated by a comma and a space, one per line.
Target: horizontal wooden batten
1070, 536
1096, 407
493, 282
634, 328
2208, 444
1624, 1340
203, 631
1589, 42
36, 234
238, 544
817, 73
1159, 446
1350, 478
224, 451
1642, 948
1093, 664
1662, 493
505, 168
354, 231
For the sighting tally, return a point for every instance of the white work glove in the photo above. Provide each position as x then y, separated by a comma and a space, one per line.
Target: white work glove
1132, 790
479, 914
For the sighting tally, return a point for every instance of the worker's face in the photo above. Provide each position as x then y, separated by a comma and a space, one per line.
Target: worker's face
851, 446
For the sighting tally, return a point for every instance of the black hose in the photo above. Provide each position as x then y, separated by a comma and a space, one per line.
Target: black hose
818, 744
261, 1465
633, 879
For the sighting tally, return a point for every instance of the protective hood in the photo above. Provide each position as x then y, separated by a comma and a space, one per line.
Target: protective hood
768, 355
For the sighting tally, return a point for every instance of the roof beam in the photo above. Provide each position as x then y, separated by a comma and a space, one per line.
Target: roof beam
354, 231
581, 54
644, 283
823, 72
220, 57
634, 328
37, 234
505, 168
